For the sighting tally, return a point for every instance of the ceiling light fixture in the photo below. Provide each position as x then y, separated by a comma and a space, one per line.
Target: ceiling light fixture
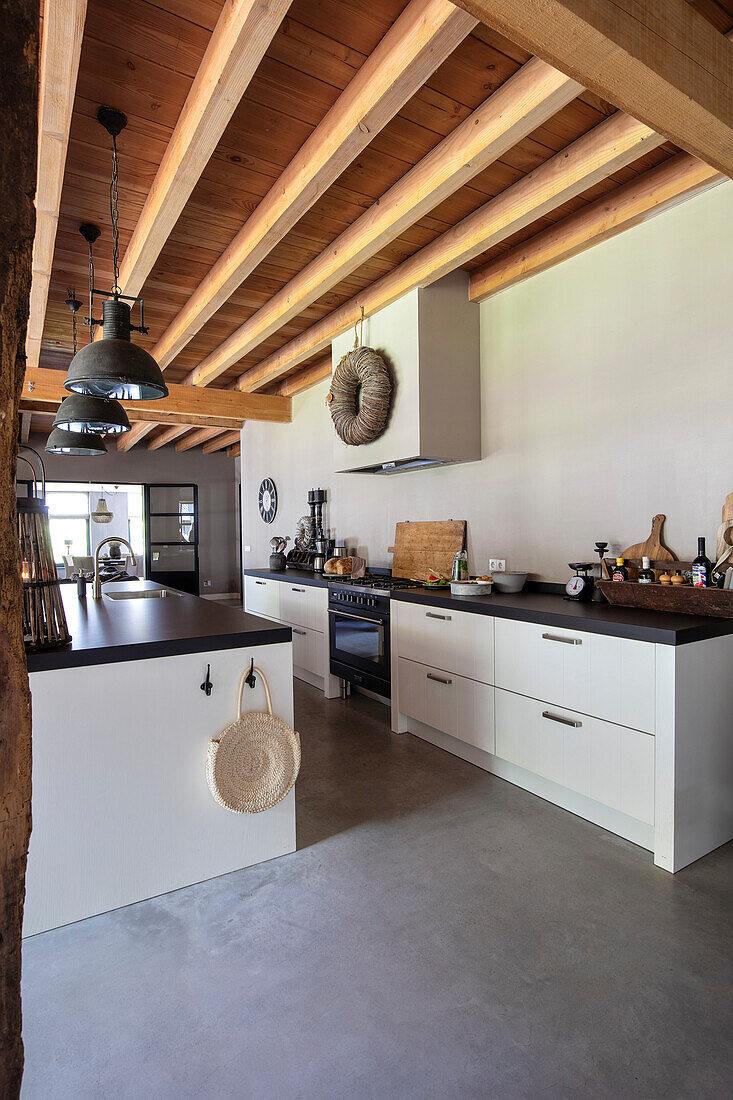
113, 367
79, 413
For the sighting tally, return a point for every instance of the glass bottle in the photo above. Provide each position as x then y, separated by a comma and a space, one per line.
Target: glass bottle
646, 574
620, 572
460, 566
702, 567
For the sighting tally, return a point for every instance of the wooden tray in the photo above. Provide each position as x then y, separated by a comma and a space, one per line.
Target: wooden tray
716, 602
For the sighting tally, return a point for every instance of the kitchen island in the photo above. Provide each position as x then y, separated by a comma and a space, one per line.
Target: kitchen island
121, 725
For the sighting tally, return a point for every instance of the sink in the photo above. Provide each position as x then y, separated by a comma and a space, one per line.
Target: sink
147, 594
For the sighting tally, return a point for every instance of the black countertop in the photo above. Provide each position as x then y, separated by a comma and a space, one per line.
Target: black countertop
301, 576
105, 631
665, 627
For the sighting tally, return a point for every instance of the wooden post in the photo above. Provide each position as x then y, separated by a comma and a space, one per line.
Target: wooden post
18, 135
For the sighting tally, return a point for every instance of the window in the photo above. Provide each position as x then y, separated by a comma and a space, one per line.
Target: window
68, 522
74, 532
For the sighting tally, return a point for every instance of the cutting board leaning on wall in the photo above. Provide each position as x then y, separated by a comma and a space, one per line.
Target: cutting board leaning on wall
423, 548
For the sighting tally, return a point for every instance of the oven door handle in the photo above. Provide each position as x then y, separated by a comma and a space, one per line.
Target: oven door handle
349, 615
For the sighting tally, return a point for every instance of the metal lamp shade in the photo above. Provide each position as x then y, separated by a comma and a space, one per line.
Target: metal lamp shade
113, 367
95, 415
61, 442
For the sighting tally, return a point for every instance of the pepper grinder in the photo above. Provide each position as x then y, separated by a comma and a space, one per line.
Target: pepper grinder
600, 548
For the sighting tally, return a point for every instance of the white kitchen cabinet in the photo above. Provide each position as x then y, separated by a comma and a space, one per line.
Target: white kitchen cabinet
262, 597
303, 605
456, 641
608, 763
308, 649
454, 704
610, 678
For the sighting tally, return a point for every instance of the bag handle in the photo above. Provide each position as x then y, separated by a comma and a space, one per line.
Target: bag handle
243, 680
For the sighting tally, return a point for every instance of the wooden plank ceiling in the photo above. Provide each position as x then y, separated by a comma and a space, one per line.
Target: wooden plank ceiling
142, 56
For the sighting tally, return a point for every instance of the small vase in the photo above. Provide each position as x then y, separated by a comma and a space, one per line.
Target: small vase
277, 563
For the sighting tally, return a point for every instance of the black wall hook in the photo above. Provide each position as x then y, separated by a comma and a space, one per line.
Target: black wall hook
250, 679
207, 685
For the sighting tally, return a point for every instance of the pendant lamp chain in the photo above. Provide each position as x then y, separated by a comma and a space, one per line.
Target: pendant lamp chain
114, 215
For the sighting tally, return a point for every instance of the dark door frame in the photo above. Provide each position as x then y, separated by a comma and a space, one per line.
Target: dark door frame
172, 578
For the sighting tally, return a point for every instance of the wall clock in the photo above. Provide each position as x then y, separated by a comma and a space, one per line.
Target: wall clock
268, 499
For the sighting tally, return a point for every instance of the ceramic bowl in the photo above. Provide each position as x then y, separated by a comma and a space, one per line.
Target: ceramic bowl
510, 582
470, 588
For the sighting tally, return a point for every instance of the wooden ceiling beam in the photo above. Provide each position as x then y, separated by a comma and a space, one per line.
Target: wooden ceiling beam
226, 439
25, 426
63, 30
235, 450
304, 379
137, 432
168, 435
135, 416
516, 109
193, 439
423, 36
47, 386
640, 199
618, 141
659, 60
238, 43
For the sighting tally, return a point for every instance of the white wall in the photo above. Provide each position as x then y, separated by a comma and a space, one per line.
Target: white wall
607, 396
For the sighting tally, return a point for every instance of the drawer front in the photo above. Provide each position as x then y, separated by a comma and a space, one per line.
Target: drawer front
610, 678
608, 763
456, 641
461, 707
308, 649
262, 597
303, 605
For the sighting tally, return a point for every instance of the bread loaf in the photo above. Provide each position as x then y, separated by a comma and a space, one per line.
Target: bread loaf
340, 567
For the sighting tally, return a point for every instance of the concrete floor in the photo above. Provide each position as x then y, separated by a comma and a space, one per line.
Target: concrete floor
439, 933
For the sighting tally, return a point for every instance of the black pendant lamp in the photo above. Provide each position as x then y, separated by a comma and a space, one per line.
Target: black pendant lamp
113, 367
80, 413
85, 444
60, 441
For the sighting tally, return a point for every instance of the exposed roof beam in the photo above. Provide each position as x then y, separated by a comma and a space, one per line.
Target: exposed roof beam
660, 60
238, 43
661, 188
304, 379
137, 432
422, 37
168, 435
189, 420
227, 439
183, 404
63, 30
235, 450
25, 426
613, 144
518, 107
193, 439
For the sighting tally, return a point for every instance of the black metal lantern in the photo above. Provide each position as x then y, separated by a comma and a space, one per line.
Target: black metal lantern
79, 413
114, 367
87, 444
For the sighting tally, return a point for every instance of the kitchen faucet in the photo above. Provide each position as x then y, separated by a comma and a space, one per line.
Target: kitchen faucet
97, 591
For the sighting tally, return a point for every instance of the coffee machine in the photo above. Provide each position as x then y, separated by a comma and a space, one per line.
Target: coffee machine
319, 549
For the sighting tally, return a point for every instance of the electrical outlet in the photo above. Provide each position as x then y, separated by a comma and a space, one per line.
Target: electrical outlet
248, 549
497, 565
207, 584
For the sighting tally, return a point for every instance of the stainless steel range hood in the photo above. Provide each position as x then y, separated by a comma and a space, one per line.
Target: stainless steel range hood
430, 339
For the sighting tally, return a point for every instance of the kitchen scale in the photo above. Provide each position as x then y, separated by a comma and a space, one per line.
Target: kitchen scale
580, 586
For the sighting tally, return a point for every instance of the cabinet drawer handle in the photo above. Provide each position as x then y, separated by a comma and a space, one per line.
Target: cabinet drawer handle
260, 582
558, 638
438, 679
561, 719
297, 590
296, 631
432, 615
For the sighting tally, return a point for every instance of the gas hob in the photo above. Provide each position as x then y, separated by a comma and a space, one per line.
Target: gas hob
373, 584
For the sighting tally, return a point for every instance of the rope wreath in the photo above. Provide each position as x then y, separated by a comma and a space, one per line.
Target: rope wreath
359, 397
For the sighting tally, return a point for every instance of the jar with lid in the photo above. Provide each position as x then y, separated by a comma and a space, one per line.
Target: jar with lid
460, 566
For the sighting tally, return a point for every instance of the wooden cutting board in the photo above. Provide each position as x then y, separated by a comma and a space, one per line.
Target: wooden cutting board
653, 547
422, 548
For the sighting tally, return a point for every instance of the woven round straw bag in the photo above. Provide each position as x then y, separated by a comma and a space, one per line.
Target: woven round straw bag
253, 764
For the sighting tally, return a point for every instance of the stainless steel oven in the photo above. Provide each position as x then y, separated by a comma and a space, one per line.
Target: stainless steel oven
359, 638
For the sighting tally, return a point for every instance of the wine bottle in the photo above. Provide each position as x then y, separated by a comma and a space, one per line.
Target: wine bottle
702, 568
646, 574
